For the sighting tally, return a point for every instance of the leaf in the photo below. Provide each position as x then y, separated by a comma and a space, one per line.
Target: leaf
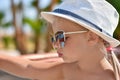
7, 24
34, 24
34, 3
1, 15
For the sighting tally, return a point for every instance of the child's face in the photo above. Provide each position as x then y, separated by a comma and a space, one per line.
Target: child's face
75, 44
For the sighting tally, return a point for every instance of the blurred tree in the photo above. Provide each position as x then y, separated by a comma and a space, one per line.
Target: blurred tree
37, 28
36, 25
5, 39
19, 34
1, 17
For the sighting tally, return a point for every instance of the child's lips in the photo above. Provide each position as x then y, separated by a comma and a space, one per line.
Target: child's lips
60, 54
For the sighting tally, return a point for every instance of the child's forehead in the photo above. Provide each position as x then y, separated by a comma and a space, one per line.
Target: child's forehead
65, 25
63, 21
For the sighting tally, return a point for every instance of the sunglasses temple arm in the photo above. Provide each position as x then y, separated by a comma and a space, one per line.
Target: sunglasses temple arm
75, 32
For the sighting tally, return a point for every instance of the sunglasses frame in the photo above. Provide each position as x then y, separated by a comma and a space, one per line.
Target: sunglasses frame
62, 43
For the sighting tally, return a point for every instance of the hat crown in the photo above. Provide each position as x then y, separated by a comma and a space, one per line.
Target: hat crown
98, 12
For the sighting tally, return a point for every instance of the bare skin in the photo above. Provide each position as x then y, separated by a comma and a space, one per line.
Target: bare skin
40, 69
82, 58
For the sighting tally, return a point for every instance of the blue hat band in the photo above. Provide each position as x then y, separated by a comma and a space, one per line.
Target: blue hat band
65, 12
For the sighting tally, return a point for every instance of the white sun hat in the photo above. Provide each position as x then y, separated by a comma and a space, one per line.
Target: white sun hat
97, 16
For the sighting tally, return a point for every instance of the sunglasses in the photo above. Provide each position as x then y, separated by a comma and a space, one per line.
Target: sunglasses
60, 37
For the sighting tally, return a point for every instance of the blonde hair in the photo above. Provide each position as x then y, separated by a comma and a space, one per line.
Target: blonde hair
116, 65
113, 60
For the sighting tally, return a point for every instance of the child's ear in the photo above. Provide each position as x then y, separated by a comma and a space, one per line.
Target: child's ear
92, 38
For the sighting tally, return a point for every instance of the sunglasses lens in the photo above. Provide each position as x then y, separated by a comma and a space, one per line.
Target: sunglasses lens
62, 44
59, 38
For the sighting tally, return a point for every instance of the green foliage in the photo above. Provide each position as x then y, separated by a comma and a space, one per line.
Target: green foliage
4, 24
48, 7
36, 25
7, 40
1, 15
7, 24
59, 1
34, 3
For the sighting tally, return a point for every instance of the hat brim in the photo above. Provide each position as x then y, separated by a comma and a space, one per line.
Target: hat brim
50, 16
